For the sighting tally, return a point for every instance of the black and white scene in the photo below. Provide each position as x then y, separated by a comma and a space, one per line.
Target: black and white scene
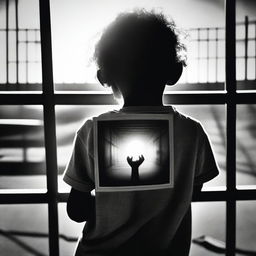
134, 153
64, 63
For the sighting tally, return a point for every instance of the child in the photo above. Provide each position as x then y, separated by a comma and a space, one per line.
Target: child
137, 55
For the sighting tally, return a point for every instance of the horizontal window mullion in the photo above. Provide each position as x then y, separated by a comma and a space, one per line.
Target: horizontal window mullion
85, 99
21, 99
107, 99
169, 98
195, 98
23, 198
245, 98
205, 196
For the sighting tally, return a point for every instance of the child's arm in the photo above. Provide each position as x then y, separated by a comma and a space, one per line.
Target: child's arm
80, 206
196, 190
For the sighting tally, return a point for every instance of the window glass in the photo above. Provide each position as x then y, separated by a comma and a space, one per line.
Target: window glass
22, 235
212, 117
246, 45
22, 153
68, 121
246, 227
20, 62
246, 145
77, 26
70, 230
207, 226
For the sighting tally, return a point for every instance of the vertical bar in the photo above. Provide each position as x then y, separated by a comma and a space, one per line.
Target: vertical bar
216, 54
230, 61
7, 40
17, 40
208, 58
36, 59
198, 55
26, 53
49, 126
246, 47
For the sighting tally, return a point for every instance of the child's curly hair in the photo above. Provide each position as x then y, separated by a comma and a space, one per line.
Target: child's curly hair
139, 38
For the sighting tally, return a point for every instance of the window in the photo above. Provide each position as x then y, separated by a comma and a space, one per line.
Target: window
27, 83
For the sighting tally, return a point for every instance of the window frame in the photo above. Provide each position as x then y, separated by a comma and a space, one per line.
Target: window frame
49, 98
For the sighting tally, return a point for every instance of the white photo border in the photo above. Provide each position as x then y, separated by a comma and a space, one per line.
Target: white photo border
134, 116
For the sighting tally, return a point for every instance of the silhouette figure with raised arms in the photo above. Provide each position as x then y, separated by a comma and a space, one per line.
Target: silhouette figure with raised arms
135, 168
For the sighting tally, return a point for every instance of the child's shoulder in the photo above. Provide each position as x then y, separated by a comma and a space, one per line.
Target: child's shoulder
87, 123
184, 119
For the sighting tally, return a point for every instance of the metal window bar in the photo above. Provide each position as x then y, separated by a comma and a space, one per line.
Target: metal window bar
246, 48
17, 39
7, 40
216, 56
230, 62
26, 54
49, 99
49, 126
207, 54
198, 54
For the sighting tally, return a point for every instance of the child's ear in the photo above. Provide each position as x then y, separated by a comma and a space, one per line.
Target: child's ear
102, 77
175, 73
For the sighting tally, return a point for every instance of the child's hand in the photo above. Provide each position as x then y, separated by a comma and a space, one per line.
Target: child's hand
137, 163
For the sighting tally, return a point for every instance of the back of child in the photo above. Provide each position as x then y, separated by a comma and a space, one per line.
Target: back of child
137, 55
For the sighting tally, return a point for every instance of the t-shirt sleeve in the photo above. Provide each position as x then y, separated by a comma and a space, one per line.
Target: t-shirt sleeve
206, 166
78, 168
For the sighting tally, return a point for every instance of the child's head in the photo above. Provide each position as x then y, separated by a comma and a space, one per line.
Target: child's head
139, 53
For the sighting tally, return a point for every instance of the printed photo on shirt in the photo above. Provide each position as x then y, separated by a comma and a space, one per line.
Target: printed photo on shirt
133, 152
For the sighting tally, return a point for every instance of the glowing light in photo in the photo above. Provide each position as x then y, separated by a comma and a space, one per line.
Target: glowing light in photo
135, 147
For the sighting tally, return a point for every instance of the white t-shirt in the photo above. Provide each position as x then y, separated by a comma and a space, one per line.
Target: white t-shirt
141, 222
